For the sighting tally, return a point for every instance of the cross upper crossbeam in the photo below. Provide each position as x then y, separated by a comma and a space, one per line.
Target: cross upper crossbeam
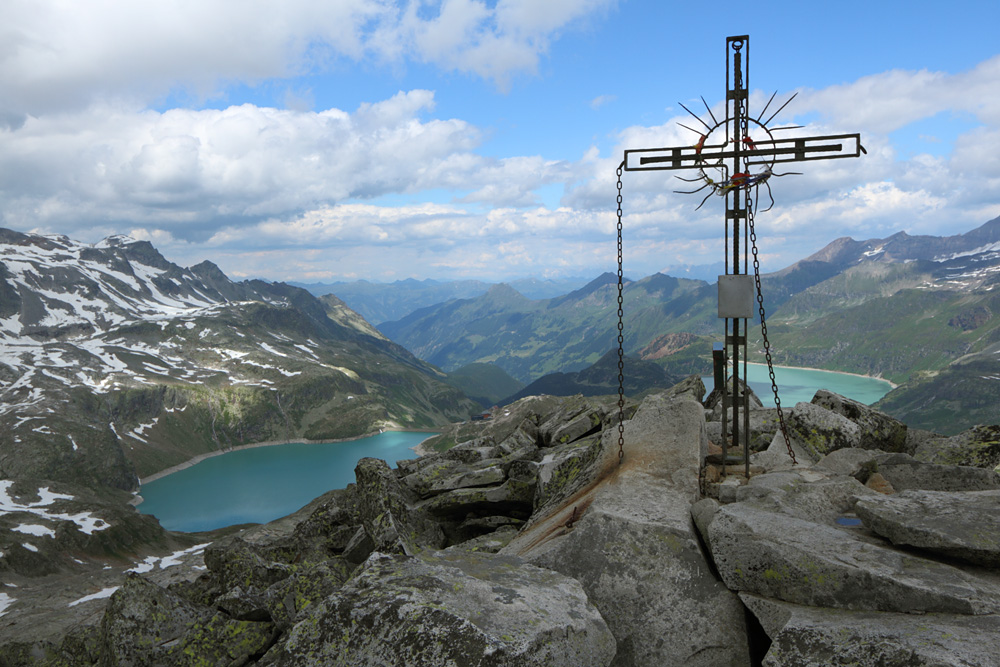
765, 151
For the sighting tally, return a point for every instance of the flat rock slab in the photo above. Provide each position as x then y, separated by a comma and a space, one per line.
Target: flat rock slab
905, 472
779, 556
806, 636
964, 525
452, 608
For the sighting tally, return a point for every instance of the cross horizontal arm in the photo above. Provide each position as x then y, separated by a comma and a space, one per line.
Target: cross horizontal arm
765, 151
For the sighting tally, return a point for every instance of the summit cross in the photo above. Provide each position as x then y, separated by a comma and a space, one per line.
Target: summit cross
731, 147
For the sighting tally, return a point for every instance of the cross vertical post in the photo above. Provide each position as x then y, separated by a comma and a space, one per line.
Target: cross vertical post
737, 85
731, 147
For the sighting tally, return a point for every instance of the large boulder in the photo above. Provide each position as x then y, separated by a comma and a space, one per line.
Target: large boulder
626, 537
691, 387
577, 417
960, 525
763, 425
514, 497
387, 513
878, 430
145, 624
815, 636
979, 447
777, 555
819, 431
450, 608
446, 474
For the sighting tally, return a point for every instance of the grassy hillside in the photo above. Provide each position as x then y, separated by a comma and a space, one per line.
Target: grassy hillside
484, 383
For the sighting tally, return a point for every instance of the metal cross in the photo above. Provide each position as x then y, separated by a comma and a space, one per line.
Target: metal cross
732, 147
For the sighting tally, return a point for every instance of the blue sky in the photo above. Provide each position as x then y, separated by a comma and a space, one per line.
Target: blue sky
385, 140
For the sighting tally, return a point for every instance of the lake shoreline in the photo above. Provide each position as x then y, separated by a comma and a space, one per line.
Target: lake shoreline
271, 443
892, 384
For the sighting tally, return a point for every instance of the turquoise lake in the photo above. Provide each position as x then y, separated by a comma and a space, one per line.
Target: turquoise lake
799, 385
264, 483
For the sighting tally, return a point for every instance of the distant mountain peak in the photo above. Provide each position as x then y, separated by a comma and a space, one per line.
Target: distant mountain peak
503, 290
114, 241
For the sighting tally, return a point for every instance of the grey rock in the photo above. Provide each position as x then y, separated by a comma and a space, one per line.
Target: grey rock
489, 543
473, 452
145, 624
458, 608
804, 493
979, 447
514, 497
691, 387
773, 554
446, 474
628, 539
286, 600
763, 425
878, 430
905, 472
563, 471
776, 456
522, 442
359, 547
954, 525
815, 637
387, 514
852, 461
820, 431
234, 563
577, 418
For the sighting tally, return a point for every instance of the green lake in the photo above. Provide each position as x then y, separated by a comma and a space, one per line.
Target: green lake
264, 483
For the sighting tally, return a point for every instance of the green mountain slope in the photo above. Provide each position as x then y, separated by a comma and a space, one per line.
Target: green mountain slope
640, 377
530, 338
484, 383
961, 395
892, 337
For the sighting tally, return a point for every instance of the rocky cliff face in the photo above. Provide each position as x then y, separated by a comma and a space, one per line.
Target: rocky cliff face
530, 543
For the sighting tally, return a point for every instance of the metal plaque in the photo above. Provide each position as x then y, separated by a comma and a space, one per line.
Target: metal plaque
736, 293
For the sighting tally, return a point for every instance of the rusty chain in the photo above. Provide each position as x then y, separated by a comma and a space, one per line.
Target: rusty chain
763, 326
621, 330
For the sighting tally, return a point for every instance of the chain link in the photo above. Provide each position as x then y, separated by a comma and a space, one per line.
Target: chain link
621, 330
763, 327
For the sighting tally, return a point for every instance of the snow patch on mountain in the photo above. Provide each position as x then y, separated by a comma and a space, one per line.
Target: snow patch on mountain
85, 521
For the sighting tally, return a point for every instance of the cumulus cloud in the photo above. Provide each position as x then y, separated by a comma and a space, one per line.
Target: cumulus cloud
204, 167
58, 56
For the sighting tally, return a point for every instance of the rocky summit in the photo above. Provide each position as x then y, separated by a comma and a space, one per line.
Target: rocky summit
559, 534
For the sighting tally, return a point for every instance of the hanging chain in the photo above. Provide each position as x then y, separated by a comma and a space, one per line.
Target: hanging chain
763, 326
621, 330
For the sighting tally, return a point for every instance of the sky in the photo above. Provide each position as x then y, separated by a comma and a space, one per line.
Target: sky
323, 141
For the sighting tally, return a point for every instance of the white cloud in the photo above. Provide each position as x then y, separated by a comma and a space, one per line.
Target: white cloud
187, 168
58, 56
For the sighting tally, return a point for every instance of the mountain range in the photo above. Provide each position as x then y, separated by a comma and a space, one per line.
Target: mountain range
115, 363
383, 302
921, 311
